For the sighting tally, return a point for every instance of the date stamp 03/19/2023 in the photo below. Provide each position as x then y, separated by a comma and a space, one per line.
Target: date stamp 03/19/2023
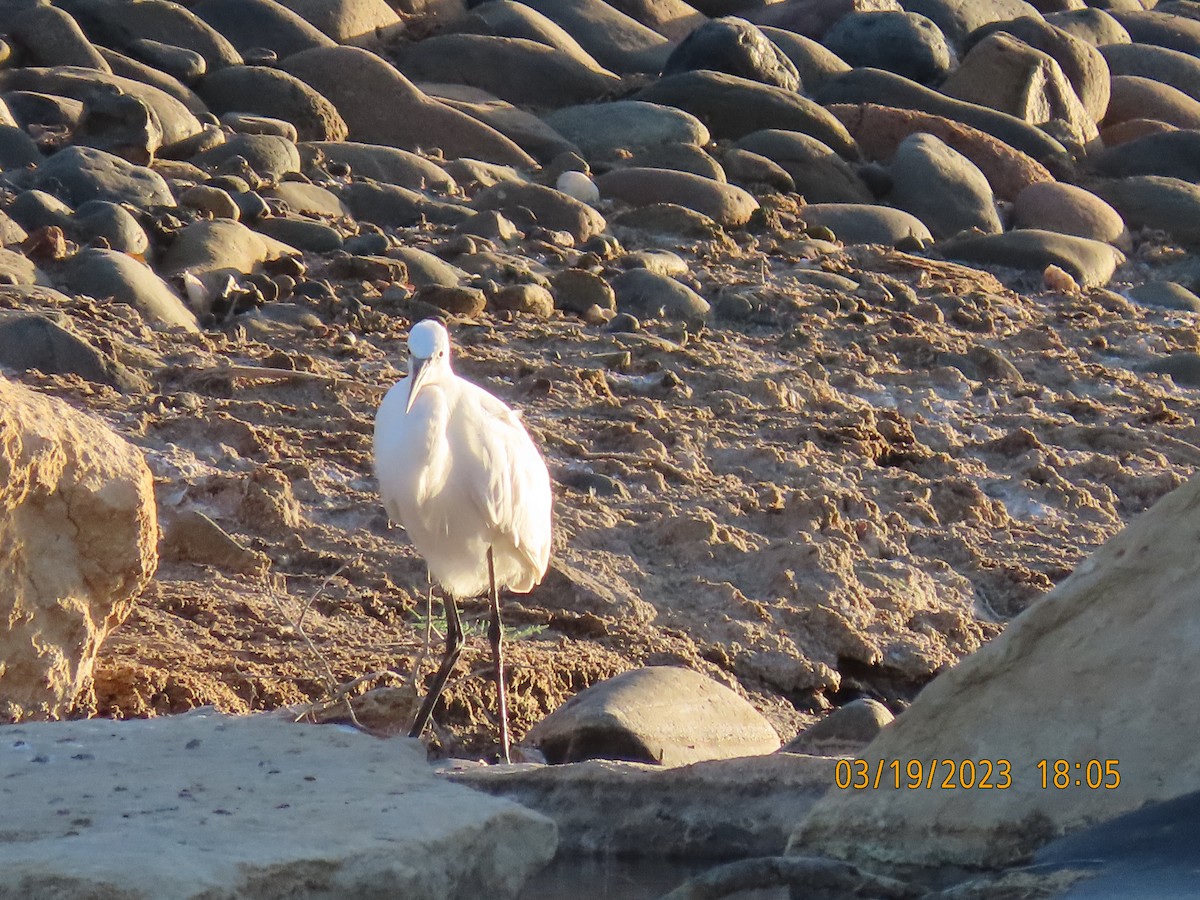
975, 774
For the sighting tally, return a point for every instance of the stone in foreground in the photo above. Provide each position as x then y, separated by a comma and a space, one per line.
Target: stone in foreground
658, 714
208, 806
77, 544
1073, 678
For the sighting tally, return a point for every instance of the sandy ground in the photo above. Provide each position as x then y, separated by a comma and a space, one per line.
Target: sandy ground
837, 496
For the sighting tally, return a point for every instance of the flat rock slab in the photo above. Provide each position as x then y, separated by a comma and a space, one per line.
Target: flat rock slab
205, 805
718, 809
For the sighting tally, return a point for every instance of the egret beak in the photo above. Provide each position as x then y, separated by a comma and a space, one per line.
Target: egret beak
417, 371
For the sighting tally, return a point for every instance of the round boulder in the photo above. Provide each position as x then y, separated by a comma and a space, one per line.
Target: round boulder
1067, 209
942, 188
902, 42
735, 46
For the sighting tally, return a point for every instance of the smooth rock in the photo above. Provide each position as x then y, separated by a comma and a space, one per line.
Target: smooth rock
662, 262
732, 107
16, 268
217, 250
381, 106
239, 806
47, 36
614, 40
387, 164
459, 300
958, 18
577, 290
737, 47
726, 204
271, 92
659, 714
10, 231
887, 89
78, 174
31, 341
648, 294
254, 24
1145, 26
1083, 64
1006, 74
1183, 366
554, 210
673, 19
120, 124
346, 21
1091, 263
669, 221
246, 123
1131, 130
523, 128
426, 269
78, 536
303, 234
1152, 201
137, 71
601, 129
175, 119
309, 199
861, 223
721, 808
110, 274
902, 42
813, 18
505, 18
1126, 615
845, 730
1180, 70
393, 206
17, 149
1095, 26
1175, 154
814, 64
522, 72
819, 174
1134, 97
269, 155
1068, 209
117, 24
532, 299
680, 158
879, 131
942, 188
114, 224
33, 108
1164, 295
753, 171
178, 62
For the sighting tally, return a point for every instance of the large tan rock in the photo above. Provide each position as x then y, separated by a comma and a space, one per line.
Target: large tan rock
1079, 676
78, 539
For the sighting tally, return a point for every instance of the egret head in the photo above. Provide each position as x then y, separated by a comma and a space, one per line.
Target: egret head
428, 352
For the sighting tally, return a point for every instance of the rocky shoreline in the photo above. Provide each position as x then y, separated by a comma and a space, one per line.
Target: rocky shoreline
848, 328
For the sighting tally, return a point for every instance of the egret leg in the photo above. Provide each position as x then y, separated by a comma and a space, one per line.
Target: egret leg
454, 645
496, 635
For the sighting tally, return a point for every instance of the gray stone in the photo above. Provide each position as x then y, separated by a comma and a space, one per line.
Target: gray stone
219, 249
50, 37
30, 341
10, 231
386, 164
553, 209
737, 47
1174, 154
117, 24
1121, 624
673, 19
1135, 97
347, 21
650, 295
686, 158
796, 875
393, 206
522, 72
33, 108
269, 155
819, 174
505, 18
861, 223
270, 92
120, 124
78, 174
659, 714
1152, 201
252, 24
303, 234
17, 149
532, 299
578, 290
247, 123
843, 731
755, 172
709, 810
16, 268
1180, 70
888, 89
1090, 263
309, 199
901, 42
459, 300
1068, 209
669, 221
814, 64
1164, 295
523, 128
138, 72
599, 130
613, 39
102, 219
1182, 366
724, 203
958, 18
381, 106
942, 188
732, 107
79, 533
178, 62
109, 274
426, 269
1145, 26
1095, 26
305, 809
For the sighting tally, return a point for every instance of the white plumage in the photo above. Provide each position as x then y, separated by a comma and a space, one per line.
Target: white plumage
459, 471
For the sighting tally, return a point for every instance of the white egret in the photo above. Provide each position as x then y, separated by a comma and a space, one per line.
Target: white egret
459, 471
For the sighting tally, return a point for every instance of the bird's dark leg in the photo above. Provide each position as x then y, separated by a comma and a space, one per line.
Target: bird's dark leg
454, 645
496, 635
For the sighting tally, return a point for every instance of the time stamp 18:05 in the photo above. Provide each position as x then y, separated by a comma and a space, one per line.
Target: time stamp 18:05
973, 774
